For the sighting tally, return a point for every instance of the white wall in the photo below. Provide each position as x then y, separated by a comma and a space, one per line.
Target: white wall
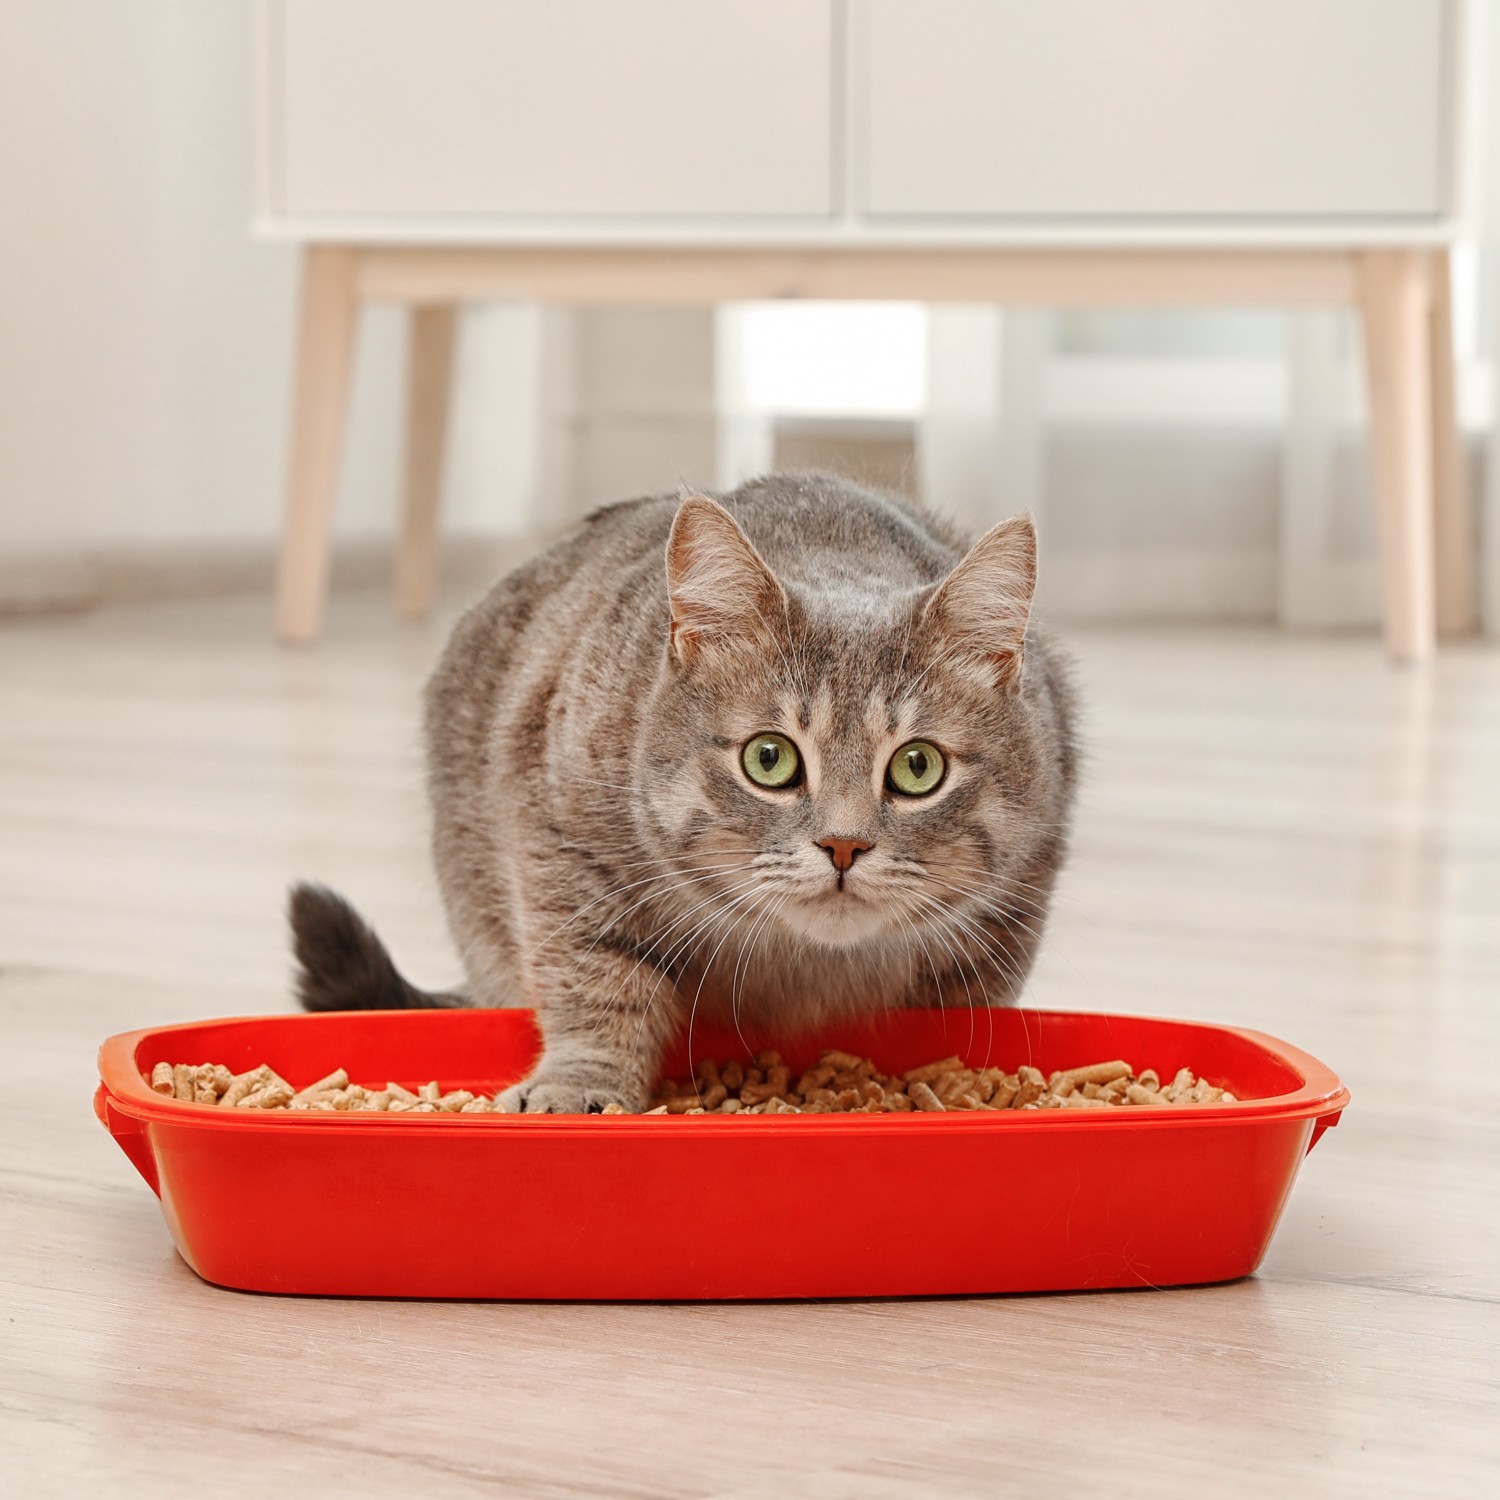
146, 339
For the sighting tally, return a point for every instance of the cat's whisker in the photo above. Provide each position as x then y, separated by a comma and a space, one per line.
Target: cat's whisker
956, 964
1007, 914
701, 875
921, 937
754, 898
981, 898
955, 915
650, 1002
1010, 909
781, 936
705, 925
955, 952
674, 867
985, 871
773, 909
990, 884
995, 887
680, 859
726, 898
620, 891
684, 864
1005, 961
745, 946
1017, 883
664, 960
1010, 966
911, 952
941, 931
937, 979
613, 923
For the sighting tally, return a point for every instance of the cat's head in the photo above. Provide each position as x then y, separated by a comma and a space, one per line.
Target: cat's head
843, 762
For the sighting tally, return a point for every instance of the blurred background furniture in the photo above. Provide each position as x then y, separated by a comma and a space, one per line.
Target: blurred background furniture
1082, 153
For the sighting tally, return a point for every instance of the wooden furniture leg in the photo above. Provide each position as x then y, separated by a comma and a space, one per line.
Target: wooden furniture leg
429, 381
1394, 304
1422, 510
324, 361
1453, 520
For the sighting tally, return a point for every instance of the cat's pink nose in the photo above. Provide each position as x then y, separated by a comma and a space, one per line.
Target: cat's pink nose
843, 851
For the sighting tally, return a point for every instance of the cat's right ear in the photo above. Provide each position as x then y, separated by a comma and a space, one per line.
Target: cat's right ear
719, 586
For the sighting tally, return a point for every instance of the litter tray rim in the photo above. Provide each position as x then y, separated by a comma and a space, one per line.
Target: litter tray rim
1321, 1093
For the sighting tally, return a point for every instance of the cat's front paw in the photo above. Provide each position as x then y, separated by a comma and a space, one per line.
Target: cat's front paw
554, 1095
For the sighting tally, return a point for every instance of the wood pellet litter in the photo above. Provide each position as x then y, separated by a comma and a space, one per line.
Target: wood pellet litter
264, 1088
839, 1083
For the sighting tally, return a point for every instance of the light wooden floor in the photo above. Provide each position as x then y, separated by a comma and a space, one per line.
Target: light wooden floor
1280, 832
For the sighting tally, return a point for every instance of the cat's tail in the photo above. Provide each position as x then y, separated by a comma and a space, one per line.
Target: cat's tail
343, 965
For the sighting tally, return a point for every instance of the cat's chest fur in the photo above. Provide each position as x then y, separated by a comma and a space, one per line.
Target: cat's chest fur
761, 989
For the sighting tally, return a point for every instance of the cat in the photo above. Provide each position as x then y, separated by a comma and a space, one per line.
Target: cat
783, 755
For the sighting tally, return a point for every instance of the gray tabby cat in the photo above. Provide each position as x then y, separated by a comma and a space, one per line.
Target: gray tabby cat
781, 756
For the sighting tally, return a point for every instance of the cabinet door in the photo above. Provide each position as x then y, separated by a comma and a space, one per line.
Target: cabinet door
508, 108
1153, 108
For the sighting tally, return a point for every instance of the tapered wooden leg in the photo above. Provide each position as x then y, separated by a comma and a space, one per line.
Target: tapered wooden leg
1394, 303
1453, 521
324, 360
429, 380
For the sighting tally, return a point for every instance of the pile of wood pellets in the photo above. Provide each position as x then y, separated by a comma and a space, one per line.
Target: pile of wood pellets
264, 1088
838, 1083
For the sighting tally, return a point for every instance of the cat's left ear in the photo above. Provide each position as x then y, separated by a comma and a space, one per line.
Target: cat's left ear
719, 586
983, 605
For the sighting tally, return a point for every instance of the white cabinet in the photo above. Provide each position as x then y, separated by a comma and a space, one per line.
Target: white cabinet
1152, 108
861, 121
673, 152
515, 109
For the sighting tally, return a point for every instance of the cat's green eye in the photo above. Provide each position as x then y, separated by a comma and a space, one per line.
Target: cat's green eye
916, 769
771, 760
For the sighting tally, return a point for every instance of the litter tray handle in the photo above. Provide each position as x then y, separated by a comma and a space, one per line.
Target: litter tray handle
130, 1136
1322, 1123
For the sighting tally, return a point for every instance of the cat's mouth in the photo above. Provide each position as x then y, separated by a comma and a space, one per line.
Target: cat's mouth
836, 914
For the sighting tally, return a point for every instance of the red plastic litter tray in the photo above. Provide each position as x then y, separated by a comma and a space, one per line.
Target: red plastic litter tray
717, 1206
